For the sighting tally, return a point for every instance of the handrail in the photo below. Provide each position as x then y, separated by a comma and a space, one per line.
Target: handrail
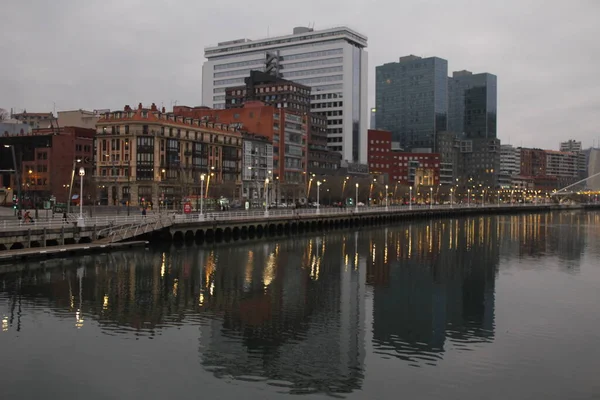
112, 222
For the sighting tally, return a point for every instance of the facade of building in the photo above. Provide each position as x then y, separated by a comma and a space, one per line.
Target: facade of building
509, 165
571, 145
593, 168
480, 161
412, 100
472, 104
333, 62
549, 169
257, 167
575, 146
13, 127
147, 156
36, 120
45, 159
288, 131
295, 98
472, 109
448, 147
407, 168
321, 160
270, 90
79, 118
563, 165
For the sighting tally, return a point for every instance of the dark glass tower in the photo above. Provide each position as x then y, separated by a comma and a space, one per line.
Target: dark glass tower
472, 104
472, 109
412, 100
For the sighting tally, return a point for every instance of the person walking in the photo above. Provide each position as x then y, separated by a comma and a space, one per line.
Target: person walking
144, 212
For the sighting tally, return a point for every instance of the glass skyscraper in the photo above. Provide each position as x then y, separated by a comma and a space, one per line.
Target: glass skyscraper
412, 100
472, 104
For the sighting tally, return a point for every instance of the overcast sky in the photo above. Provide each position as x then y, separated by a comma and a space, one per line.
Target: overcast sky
105, 54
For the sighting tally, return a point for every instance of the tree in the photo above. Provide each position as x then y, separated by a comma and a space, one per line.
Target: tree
4, 114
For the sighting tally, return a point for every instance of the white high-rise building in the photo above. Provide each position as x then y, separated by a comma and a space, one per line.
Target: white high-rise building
333, 62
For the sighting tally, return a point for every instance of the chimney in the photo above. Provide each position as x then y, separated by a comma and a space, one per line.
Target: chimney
153, 107
140, 106
163, 110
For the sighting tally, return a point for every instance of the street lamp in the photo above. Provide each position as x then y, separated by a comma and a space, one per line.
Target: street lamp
451, 198
410, 198
356, 199
430, 198
266, 196
468, 197
201, 193
71, 185
318, 190
483, 198
80, 220
386, 197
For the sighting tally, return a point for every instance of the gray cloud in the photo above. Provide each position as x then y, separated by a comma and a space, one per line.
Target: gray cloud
104, 54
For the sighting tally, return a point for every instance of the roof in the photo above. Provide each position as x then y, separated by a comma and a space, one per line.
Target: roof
28, 114
156, 116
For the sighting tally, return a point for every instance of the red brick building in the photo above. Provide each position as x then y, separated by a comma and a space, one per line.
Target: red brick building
45, 161
287, 130
402, 167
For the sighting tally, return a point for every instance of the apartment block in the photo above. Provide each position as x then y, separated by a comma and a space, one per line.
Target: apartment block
147, 156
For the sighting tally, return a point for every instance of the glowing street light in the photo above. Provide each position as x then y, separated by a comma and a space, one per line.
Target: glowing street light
80, 220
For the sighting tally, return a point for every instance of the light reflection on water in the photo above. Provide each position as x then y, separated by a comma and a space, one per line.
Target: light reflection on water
328, 314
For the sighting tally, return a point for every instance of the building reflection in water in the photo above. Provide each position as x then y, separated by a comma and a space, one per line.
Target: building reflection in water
291, 312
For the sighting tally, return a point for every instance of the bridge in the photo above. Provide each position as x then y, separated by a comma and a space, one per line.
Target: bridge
565, 192
233, 225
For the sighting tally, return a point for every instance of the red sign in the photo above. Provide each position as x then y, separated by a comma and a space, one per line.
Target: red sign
187, 208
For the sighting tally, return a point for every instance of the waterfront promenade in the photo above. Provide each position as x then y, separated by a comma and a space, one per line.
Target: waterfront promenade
234, 225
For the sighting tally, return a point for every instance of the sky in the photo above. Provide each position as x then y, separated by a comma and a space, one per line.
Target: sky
71, 54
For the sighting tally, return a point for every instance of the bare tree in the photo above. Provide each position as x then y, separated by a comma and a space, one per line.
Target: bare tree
4, 114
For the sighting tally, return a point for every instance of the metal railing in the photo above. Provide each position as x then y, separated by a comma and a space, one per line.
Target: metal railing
276, 213
117, 220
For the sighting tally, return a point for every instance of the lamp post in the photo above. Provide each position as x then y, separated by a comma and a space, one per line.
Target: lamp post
498, 198
356, 199
483, 198
430, 198
468, 197
201, 193
266, 196
410, 198
80, 220
318, 191
17, 180
451, 198
386, 197
71, 186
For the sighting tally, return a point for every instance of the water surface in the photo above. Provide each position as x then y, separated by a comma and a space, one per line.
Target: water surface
492, 307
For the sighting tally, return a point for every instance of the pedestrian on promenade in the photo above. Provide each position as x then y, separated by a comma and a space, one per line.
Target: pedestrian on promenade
65, 217
144, 212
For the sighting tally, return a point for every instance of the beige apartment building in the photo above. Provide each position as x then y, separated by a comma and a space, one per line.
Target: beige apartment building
150, 157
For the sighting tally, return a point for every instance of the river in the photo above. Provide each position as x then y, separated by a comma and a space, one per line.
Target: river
493, 307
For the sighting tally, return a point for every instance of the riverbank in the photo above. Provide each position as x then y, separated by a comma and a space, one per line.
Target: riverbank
41, 253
